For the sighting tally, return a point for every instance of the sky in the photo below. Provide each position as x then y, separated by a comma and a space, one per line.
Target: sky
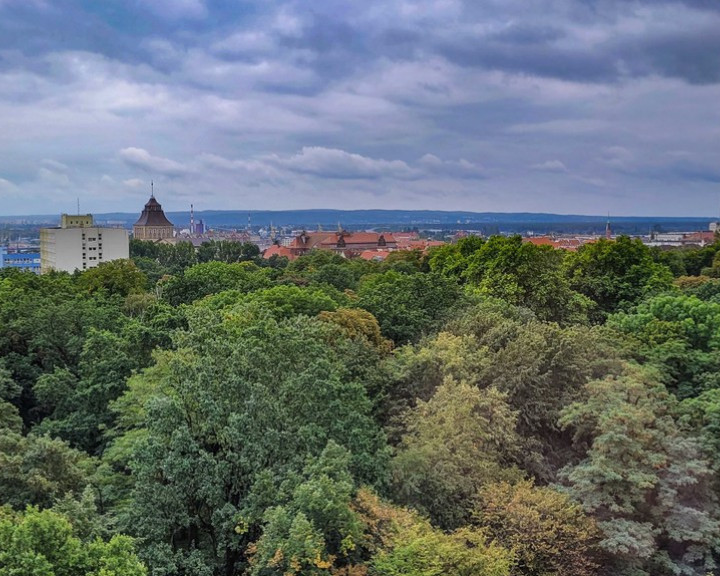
563, 106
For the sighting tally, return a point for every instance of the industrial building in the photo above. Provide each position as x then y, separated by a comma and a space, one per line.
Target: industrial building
27, 261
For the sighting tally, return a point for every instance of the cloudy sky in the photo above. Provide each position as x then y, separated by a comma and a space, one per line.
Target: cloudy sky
566, 106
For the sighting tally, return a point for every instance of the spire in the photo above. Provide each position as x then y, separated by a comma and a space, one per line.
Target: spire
608, 232
192, 220
152, 189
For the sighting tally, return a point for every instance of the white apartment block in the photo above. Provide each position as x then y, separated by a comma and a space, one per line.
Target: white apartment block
79, 245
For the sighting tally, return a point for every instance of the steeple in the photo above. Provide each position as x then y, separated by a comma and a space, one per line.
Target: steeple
608, 231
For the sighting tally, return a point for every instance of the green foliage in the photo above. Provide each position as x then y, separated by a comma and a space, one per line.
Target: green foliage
407, 305
42, 543
680, 335
357, 323
547, 531
227, 251
239, 408
524, 274
520, 273
44, 321
317, 530
405, 544
452, 259
540, 367
703, 287
235, 410
171, 258
616, 274
213, 277
642, 478
38, 470
686, 261
78, 405
117, 277
458, 441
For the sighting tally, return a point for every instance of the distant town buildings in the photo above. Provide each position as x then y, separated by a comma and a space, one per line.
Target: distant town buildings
570, 243
28, 261
153, 224
366, 245
77, 244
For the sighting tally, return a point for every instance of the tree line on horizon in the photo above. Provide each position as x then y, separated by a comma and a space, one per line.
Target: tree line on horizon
490, 407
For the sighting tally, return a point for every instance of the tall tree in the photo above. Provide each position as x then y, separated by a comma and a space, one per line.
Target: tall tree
234, 413
616, 274
549, 533
643, 479
458, 441
407, 305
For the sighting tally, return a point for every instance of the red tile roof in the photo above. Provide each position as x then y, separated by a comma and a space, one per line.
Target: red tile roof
276, 250
352, 238
374, 255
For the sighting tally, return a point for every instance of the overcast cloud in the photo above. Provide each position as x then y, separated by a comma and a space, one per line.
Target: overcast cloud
567, 106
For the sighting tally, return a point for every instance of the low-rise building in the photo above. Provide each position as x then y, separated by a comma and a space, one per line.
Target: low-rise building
27, 261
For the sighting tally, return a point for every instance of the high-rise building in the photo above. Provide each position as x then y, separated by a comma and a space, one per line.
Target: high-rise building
153, 224
78, 244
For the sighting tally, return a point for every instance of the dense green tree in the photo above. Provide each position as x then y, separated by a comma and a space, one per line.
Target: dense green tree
213, 277
44, 321
316, 530
407, 305
541, 367
679, 334
151, 268
404, 543
458, 441
700, 416
227, 251
117, 277
42, 543
616, 274
336, 275
406, 262
38, 470
237, 410
524, 274
643, 479
549, 533
284, 301
703, 287
77, 404
690, 261
452, 259
357, 323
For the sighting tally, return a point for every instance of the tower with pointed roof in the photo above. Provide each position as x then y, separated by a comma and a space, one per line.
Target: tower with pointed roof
153, 224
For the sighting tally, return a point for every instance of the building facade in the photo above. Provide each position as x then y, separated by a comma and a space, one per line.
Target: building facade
79, 246
27, 261
153, 224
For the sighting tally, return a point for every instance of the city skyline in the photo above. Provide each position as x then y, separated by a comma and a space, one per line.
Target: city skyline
566, 107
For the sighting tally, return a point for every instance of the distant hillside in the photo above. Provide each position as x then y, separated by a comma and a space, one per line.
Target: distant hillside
487, 222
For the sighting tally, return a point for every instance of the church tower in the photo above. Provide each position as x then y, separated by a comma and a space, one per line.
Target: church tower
153, 224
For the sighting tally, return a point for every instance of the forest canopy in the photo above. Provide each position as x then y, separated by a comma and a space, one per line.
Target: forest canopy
488, 407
